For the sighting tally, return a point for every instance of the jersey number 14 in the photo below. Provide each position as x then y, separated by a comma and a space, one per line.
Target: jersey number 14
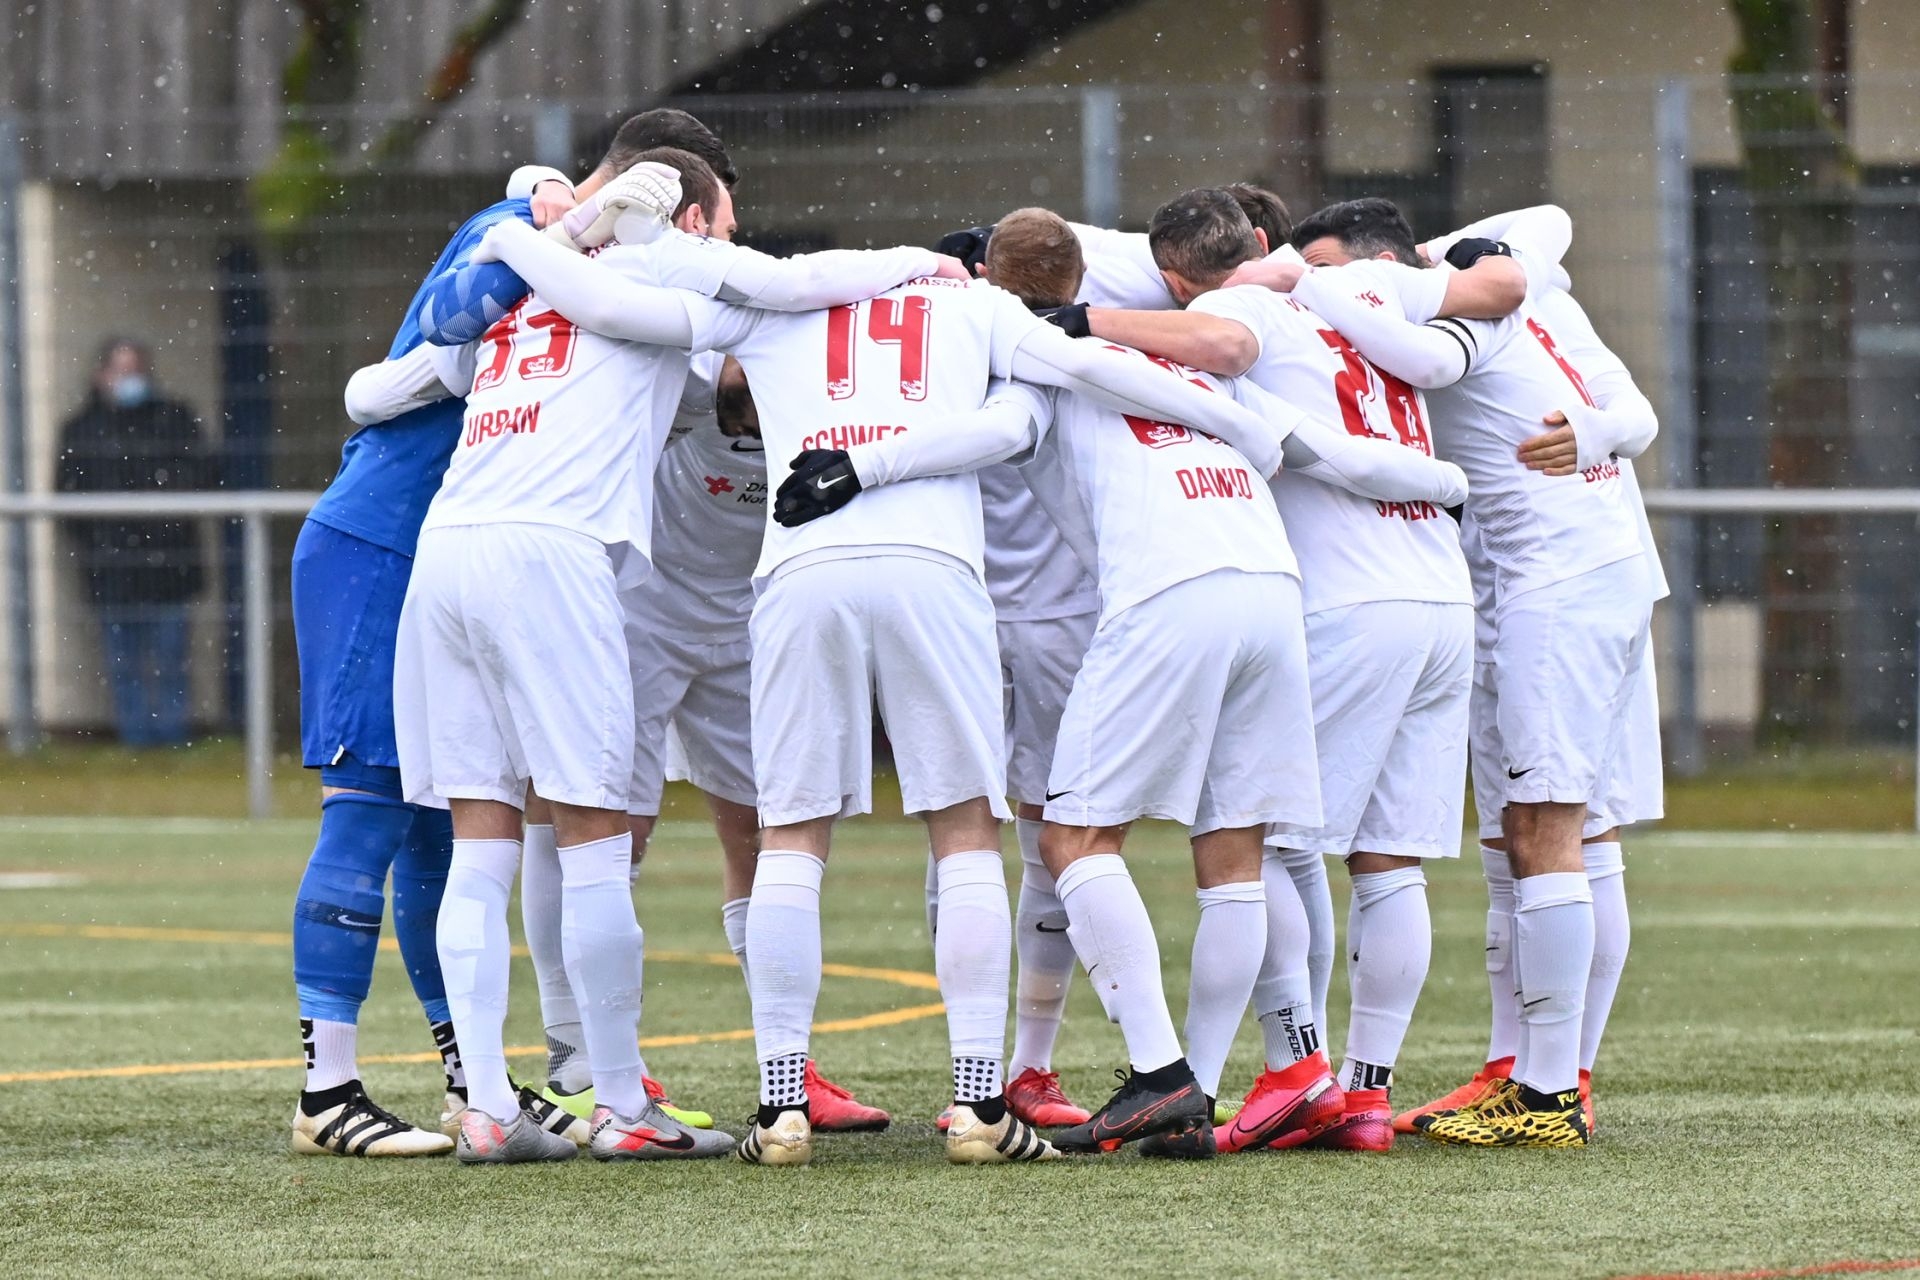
904, 324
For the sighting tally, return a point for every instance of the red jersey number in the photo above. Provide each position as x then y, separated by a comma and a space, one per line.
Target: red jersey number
905, 323
1355, 387
545, 341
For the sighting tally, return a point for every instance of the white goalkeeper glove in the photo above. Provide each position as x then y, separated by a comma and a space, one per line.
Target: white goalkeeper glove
635, 208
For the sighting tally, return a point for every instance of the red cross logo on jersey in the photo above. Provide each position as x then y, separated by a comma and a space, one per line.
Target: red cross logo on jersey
717, 485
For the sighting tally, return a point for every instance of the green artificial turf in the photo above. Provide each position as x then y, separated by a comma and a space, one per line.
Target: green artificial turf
1758, 1096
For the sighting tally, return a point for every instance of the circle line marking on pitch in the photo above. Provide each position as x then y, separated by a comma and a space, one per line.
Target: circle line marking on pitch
240, 937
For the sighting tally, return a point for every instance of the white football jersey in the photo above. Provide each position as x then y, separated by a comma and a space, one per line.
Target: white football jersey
1534, 529
1581, 344
910, 359
1121, 271
1151, 504
710, 510
1032, 574
1352, 550
564, 427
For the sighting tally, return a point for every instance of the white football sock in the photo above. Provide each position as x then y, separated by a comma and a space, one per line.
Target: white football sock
1309, 874
972, 956
568, 1067
783, 937
1046, 958
1229, 947
1283, 993
475, 954
1612, 933
1553, 941
1114, 939
330, 1053
602, 942
1503, 986
1389, 946
733, 919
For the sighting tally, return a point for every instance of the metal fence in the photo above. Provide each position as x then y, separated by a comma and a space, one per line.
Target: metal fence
1787, 625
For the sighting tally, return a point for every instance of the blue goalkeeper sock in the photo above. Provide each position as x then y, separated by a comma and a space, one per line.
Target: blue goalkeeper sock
419, 882
336, 919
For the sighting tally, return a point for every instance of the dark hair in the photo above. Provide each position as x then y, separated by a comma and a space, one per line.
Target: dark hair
1365, 228
666, 127
118, 343
1201, 235
699, 185
1265, 210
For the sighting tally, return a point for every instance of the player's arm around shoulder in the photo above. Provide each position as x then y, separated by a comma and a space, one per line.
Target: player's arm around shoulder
1195, 337
1381, 308
425, 375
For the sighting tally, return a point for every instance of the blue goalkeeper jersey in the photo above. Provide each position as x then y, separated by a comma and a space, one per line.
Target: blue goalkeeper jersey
389, 472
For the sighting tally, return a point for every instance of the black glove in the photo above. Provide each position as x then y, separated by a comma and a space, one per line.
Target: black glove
1070, 319
1470, 250
822, 482
970, 246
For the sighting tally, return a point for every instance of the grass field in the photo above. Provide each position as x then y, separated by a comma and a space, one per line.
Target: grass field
1759, 1096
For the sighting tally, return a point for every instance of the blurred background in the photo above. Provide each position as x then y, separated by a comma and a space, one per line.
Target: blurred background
212, 211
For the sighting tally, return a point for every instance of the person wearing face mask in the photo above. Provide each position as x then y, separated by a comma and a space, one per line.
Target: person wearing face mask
141, 575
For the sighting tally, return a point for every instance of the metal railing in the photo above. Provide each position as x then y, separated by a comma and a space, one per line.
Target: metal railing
254, 510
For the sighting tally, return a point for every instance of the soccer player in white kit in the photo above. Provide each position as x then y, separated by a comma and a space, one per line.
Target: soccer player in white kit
1620, 424
1571, 594
530, 535
697, 254
887, 602
1204, 726
1389, 624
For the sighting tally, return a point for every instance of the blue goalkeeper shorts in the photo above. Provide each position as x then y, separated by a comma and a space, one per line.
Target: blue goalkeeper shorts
347, 594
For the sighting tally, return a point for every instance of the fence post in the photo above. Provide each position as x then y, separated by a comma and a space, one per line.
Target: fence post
23, 729
257, 620
1679, 434
553, 136
1100, 156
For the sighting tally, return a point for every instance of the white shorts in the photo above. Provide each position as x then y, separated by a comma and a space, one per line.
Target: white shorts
510, 667
1551, 708
698, 693
1390, 685
833, 637
1193, 705
1634, 789
1038, 659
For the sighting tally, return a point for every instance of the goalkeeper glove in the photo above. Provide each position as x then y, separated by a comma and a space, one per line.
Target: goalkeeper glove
635, 208
823, 481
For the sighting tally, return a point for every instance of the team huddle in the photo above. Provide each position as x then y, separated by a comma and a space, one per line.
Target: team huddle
1259, 527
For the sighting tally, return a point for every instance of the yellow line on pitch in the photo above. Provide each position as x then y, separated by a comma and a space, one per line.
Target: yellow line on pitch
145, 933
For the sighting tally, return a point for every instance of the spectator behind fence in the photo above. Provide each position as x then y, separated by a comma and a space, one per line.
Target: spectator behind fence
141, 574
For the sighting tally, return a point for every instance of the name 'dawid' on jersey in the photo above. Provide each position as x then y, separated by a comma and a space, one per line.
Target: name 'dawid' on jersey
1215, 482
489, 424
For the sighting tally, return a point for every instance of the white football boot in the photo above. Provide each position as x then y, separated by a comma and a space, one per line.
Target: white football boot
348, 1123
971, 1140
521, 1140
652, 1135
787, 1141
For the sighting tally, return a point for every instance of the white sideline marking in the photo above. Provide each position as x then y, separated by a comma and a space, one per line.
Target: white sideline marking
39, 880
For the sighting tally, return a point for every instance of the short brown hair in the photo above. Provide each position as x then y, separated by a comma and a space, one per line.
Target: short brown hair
666, 127
699, 185
1201, 236
1265, 210
1034, 255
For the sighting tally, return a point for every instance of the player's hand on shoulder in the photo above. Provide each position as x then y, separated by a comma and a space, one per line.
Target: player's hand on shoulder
488, 250
822, 482
951, 268
1070, 319
1556, 452
1470, 249
552, 200
1269, 273
969, 246
634, 208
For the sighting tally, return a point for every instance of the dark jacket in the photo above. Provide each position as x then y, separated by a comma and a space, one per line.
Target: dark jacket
107, 449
